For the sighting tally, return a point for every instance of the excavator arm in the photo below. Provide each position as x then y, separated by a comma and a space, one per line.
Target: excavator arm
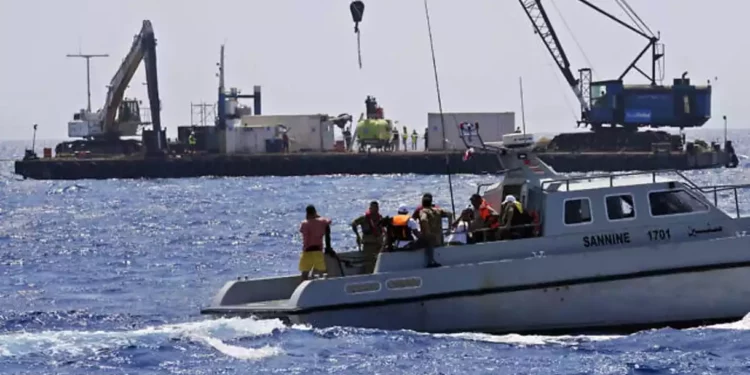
143, 48
542, 26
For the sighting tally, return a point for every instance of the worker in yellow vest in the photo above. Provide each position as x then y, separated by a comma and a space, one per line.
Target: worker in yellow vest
191, 142
414, 137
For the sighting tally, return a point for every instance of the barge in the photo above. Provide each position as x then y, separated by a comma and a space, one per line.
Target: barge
329, 163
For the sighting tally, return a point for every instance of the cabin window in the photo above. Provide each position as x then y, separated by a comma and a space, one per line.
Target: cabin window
577, 211
620, 207
674, 202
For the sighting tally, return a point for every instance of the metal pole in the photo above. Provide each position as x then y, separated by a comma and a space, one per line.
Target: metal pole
523, 112
88, 84
203, 114
725, 131
33, 138
88, 58
440, 106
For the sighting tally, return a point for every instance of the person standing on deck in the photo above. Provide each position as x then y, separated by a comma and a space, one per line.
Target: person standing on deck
191, 142
285, 142
425, 138
403, 231
431, 227
313, 229
512, 218
394, 139
414, 137
348, 138
404, 138
486, 220
372, 235
459, 234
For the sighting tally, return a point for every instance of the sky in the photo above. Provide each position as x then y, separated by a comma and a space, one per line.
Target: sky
304, 55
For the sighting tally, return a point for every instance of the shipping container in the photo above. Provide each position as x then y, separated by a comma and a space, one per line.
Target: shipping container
306, 132
492, 127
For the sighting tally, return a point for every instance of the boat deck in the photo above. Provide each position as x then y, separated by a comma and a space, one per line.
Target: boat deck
264, 308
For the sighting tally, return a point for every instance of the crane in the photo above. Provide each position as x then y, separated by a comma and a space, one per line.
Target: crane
119, 116
613, 103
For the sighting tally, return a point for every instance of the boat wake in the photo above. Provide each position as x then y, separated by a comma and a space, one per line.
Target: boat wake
211, 333
740, 325
216, 334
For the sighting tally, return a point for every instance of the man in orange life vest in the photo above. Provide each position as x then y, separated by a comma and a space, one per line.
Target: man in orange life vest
372, 235
486, 220
403, 231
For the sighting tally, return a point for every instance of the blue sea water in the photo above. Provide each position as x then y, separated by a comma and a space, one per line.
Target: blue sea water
108, 277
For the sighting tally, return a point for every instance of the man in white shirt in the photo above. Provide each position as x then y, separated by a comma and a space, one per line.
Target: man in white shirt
460, 233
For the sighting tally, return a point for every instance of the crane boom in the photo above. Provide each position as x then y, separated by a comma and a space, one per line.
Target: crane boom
143, 48
542, 26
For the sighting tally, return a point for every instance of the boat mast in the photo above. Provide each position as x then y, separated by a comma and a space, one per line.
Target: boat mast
523, 112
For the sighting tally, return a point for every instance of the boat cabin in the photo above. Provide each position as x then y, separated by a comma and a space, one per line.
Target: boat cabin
603, 207
580, 214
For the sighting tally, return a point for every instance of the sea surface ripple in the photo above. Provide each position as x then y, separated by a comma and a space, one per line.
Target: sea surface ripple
108, 277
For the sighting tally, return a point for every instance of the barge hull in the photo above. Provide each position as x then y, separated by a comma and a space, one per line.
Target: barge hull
423, 163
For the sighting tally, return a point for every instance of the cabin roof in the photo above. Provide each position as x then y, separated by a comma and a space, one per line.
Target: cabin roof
567, 184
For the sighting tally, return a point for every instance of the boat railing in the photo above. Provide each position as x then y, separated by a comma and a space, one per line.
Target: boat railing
715, 190
612, 176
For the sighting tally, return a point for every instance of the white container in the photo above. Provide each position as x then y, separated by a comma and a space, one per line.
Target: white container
306, 132
492, 127
81, 129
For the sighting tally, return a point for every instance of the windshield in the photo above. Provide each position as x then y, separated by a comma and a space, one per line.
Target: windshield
597, 92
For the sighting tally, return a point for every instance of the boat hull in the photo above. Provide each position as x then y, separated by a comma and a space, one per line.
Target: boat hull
617, 290
676, 300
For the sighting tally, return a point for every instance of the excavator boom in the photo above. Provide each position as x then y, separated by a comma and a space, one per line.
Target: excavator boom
143, 49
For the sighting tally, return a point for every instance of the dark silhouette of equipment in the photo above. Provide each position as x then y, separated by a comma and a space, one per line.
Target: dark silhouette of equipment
341, 120
372, 109
357, 9
613, 103
228, 102
30, 154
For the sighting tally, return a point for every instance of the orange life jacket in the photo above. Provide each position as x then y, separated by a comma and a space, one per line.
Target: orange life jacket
401, 231
484, 213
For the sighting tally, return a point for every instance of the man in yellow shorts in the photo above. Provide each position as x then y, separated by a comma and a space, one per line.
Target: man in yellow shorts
313, 229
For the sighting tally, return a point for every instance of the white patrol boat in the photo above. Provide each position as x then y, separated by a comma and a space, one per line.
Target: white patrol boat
610, 253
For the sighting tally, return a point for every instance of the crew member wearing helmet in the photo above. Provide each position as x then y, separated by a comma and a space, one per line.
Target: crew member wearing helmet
512, 218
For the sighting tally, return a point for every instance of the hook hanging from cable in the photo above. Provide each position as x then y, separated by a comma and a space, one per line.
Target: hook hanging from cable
357, 8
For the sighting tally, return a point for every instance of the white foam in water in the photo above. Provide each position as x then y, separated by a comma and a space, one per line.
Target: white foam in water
516, 339
208, 332
742, 324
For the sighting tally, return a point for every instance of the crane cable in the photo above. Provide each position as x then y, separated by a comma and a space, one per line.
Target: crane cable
570, 31
580, 49
440, 108
634, 17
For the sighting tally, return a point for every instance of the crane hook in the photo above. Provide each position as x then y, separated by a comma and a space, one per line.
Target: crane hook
357, 8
